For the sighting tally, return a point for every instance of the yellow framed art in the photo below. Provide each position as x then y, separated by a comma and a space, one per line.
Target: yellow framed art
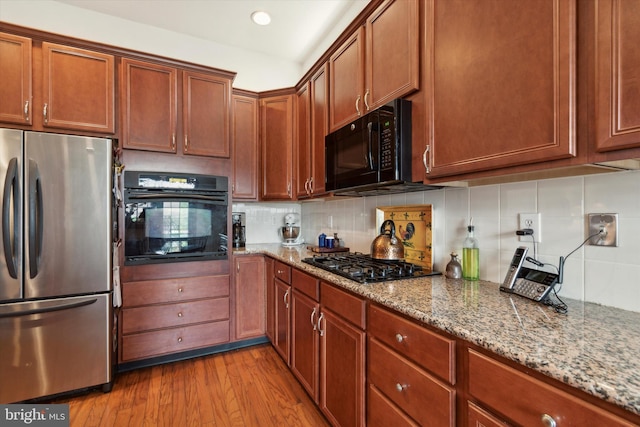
413, 227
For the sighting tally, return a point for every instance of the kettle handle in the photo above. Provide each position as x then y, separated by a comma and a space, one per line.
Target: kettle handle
389, 223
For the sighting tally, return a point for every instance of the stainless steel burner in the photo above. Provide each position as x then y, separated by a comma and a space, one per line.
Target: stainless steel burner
364, 269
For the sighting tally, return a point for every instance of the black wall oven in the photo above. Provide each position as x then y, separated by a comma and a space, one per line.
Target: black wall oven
171, 217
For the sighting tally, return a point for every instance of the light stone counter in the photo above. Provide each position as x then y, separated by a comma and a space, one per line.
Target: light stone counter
593, 348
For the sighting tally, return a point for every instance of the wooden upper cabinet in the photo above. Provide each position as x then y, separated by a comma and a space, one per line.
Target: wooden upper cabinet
245, 147
15, 84
346, 68
303, 145
205, 114
319, 128
276, 137
78, 89
617, 117
501, 81
312, 126
149, 106
379, 62
392, 52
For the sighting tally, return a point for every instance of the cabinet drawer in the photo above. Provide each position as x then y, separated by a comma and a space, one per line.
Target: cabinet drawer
426, 399
525, 400
283, 272
157, 343
306, 284
430, 350
167, 315
346, 305
381, 412
174, 290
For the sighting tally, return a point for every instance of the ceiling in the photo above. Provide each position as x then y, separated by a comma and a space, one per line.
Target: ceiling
297, 26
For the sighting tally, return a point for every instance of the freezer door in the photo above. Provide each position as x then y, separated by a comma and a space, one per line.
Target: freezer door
67, 215
54, 346
10, 214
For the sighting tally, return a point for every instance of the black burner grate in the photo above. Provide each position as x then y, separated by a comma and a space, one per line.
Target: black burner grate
364, 269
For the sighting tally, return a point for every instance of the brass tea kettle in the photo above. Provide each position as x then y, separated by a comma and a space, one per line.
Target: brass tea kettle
387, 246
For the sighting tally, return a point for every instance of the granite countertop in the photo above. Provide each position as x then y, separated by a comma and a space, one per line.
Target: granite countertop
593, 348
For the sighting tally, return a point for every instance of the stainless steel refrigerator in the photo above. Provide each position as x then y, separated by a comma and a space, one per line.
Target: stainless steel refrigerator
55, 264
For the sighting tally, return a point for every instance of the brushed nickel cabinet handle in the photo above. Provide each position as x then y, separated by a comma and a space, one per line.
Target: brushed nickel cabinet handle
286, 299
45, 112
186, 143
320, 324
548, 421
26, 110
358, 105
313, 322
366, 104
173, 141
427, 168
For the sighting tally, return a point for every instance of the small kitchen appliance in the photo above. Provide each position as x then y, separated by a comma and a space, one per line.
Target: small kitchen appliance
239, 237
290, 232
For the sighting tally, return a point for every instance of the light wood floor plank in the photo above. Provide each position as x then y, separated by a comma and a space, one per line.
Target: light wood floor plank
242, 388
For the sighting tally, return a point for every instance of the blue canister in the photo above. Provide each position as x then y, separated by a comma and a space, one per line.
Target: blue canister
321, 240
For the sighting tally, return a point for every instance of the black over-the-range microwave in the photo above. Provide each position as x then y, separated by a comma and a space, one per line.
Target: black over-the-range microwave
372, 152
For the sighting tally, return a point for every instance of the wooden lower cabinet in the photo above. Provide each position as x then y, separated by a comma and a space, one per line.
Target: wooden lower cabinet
478, 417
411, 369
342, 371
250, 295
282, 310
305, 342
524, 400
160, 317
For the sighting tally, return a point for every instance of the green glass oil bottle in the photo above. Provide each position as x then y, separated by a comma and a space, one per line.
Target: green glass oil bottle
470, 255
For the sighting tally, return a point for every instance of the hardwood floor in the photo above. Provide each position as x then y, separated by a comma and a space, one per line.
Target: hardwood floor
247, 387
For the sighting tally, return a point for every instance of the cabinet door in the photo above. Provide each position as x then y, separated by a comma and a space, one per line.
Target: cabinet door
245, 147
206, 101
319, 128
346, 70
303, 141
276, 117
271, 300
282, 319
78, 89
15, 84
618, 68
149, 107
392, 57
305, 342
501, 83
342, 371
250, 296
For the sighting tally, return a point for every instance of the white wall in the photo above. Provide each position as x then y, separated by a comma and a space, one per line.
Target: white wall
605, 275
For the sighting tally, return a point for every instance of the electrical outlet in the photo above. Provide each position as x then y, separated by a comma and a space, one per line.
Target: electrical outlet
532, 221
607, 225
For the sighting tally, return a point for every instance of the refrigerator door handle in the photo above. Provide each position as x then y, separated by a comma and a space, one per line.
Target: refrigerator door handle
60, 307
11, 191
36, 220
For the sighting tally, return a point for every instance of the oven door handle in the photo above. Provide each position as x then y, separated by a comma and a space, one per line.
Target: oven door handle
157, 196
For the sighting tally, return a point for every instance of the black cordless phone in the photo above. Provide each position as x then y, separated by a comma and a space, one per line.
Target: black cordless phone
533, 284
514, 268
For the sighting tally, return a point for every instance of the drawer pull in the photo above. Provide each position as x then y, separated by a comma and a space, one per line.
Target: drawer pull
179, 339
320, 324
400, 338
400, 387
280, 271
180, 290
548, 421
180, 314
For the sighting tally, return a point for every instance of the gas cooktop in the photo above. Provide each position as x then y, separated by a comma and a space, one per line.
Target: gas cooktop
364, 269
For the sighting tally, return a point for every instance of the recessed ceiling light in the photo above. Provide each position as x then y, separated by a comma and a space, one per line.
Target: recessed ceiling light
260, 17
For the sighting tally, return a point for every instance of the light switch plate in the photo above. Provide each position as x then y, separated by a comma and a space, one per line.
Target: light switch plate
603, 221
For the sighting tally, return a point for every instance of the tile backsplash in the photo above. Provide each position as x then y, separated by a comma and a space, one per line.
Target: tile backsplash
604, 275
